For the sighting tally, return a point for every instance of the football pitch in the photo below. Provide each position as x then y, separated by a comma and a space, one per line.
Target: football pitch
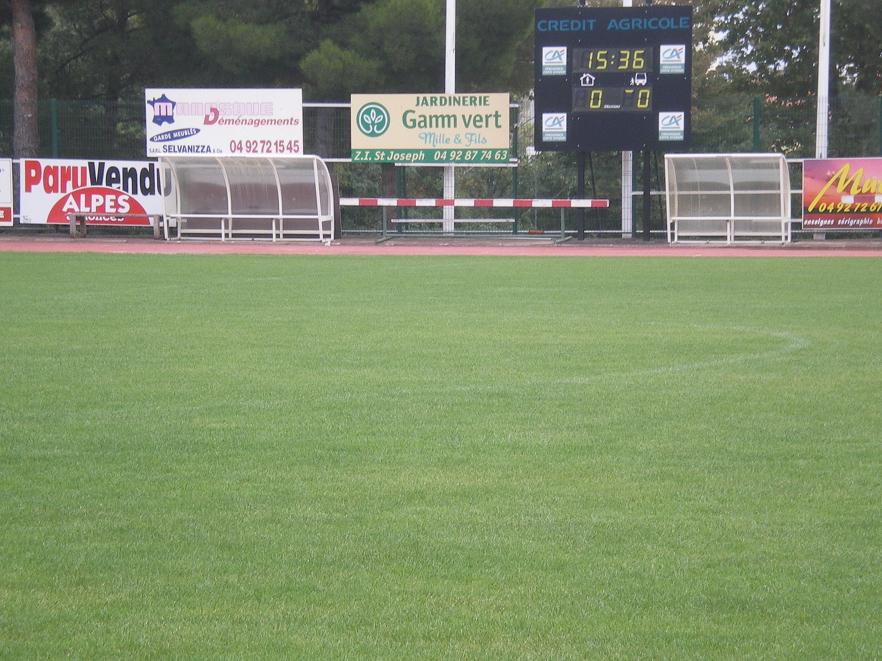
398, 457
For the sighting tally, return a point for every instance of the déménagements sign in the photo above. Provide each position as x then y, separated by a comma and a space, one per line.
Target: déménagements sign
224, 122
430, 128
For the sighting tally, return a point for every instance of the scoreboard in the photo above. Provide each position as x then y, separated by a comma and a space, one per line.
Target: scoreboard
612, 78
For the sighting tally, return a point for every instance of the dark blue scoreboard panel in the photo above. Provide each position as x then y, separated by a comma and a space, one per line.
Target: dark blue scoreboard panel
613, 78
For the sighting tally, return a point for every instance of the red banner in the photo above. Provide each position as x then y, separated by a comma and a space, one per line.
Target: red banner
842, 194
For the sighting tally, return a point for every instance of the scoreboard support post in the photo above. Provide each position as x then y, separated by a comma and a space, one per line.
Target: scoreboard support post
647, 193
580, 194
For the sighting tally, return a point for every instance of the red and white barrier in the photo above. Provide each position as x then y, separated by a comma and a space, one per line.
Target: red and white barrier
501, 203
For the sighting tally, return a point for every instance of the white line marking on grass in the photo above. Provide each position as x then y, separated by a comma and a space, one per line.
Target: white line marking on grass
793, 343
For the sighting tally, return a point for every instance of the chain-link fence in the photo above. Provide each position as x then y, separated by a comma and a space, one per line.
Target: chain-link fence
720, 123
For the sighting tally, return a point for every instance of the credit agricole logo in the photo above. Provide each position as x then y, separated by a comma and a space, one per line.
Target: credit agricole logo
373, 120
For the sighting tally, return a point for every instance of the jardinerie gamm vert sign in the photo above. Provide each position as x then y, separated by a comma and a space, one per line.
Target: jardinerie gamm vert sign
430, 128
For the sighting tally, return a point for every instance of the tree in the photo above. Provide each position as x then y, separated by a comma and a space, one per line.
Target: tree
26, 139
111, 50
773, 45
769, 49
253, 43
398, 46
243, 42
494, 45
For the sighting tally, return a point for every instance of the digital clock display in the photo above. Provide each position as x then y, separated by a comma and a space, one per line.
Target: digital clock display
612, 99
611, 60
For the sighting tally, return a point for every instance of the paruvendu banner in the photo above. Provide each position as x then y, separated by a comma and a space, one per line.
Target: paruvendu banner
105, 192
224, 122
842, 194
430, 128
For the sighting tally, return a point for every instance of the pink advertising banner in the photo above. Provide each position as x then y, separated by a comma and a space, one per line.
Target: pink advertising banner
842, 194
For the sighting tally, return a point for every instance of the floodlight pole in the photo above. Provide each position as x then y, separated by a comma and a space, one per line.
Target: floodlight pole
647, 187
821, 136
449, 88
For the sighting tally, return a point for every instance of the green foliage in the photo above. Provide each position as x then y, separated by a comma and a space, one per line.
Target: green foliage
722, 122
771, 41
246, 43
406, 37
857, 49
494, 45
336, 72
7, 74
771, 46
239, 47
110, 51
96, 49
400, 45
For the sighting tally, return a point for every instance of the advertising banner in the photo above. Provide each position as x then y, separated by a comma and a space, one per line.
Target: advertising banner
430, 128
5, 192
106, 192
842, 194
224, 122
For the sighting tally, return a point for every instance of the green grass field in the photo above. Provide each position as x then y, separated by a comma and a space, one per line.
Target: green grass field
440, 457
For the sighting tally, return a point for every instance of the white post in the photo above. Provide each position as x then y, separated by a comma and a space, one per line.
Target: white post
823, 81
627, 194
627, 182
450, 88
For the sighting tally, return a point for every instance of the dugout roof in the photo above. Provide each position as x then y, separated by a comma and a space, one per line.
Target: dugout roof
731, 196
291, 196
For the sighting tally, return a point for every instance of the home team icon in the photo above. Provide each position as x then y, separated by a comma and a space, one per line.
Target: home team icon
373, 120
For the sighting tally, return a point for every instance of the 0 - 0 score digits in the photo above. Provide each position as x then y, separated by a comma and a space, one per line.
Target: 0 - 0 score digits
612, 99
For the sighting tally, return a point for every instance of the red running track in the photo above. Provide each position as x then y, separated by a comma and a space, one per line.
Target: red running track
458, 247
